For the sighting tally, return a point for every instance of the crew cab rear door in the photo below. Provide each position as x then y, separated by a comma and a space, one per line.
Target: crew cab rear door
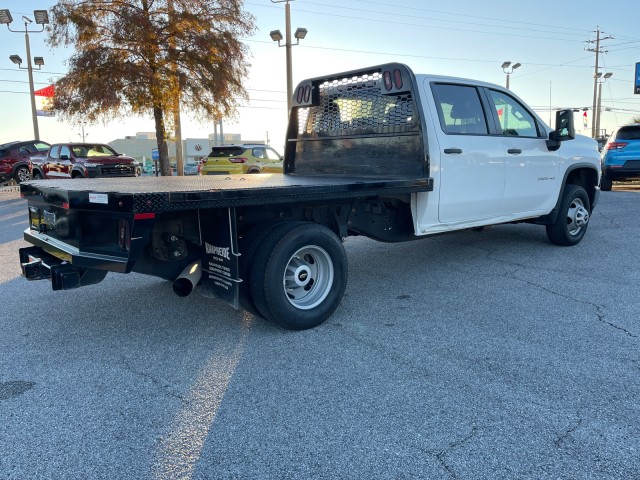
472, 162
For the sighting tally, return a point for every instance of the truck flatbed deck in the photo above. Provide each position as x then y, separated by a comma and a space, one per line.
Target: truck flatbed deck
159, 194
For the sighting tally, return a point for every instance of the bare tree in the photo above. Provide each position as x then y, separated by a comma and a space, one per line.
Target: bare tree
142, 56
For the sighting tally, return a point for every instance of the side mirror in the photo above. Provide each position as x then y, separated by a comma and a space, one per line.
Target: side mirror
564, 130
64, 157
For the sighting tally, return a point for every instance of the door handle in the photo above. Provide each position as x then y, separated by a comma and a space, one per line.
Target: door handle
514, 151
452, 150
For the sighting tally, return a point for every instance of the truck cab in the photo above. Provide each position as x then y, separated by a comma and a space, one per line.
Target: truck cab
491, 157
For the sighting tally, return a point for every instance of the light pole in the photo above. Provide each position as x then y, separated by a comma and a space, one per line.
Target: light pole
276, 36
42, 18
509, 71
82, 124
599, 111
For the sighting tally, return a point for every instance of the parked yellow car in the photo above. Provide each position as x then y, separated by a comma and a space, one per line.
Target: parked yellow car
229, 159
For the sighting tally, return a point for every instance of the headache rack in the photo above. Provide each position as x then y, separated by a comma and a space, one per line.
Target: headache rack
365, 122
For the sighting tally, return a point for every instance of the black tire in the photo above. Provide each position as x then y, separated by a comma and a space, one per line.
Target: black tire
37, 175
299, 275
606, 184
573, 217
22, 174
250, 243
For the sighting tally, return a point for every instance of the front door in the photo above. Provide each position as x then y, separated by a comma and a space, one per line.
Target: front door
531, 169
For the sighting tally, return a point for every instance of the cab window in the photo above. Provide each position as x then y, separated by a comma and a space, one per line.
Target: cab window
460, 109
64, 150
514, 118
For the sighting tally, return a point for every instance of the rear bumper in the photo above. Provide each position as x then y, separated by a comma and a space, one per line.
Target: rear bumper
69, 254
630, 169
223, 170
36, 264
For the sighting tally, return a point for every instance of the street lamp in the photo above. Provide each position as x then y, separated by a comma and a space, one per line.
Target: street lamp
599, 110
276, 36
509, 71
42, 18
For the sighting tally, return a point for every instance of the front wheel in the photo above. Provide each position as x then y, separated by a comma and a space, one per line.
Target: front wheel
299, 275
606, 184
573, 218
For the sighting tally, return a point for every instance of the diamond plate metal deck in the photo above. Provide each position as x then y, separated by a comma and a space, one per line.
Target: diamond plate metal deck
164, 194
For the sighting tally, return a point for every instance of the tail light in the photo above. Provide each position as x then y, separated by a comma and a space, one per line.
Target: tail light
238, 160
617, 145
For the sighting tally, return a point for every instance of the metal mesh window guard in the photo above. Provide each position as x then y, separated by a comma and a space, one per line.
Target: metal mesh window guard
356, 106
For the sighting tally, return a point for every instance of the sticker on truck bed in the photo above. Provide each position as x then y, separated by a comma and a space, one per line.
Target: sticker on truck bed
98, 198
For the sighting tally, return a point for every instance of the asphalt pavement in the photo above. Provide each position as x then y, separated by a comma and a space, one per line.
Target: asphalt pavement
478, 355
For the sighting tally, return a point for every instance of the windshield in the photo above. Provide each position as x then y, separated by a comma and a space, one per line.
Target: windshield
95, 150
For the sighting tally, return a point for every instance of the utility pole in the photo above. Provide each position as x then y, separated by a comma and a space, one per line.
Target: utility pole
595, 77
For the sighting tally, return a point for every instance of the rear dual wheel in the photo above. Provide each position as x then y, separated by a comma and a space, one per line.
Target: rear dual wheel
298, 275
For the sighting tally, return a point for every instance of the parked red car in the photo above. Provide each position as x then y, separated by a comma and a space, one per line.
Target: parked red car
83, 160
14, 159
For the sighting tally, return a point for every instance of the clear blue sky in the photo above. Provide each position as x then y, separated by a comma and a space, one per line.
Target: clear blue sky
464, 38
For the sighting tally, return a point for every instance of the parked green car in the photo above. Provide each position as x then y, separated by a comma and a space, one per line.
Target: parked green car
230, 159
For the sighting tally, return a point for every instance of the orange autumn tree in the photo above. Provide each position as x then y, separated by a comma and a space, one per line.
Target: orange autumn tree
141, 57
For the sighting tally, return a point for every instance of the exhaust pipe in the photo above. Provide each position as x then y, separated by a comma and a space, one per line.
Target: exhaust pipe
188, 279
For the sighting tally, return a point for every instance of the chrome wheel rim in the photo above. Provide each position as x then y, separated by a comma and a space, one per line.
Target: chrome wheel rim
23, 175
577, 216
308, 277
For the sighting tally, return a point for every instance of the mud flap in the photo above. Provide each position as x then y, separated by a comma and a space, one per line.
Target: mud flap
220, 270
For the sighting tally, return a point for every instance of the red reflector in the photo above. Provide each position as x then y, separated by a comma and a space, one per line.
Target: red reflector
386, 76
397, 78
144, 216
65, 205
238, 160
124, 234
